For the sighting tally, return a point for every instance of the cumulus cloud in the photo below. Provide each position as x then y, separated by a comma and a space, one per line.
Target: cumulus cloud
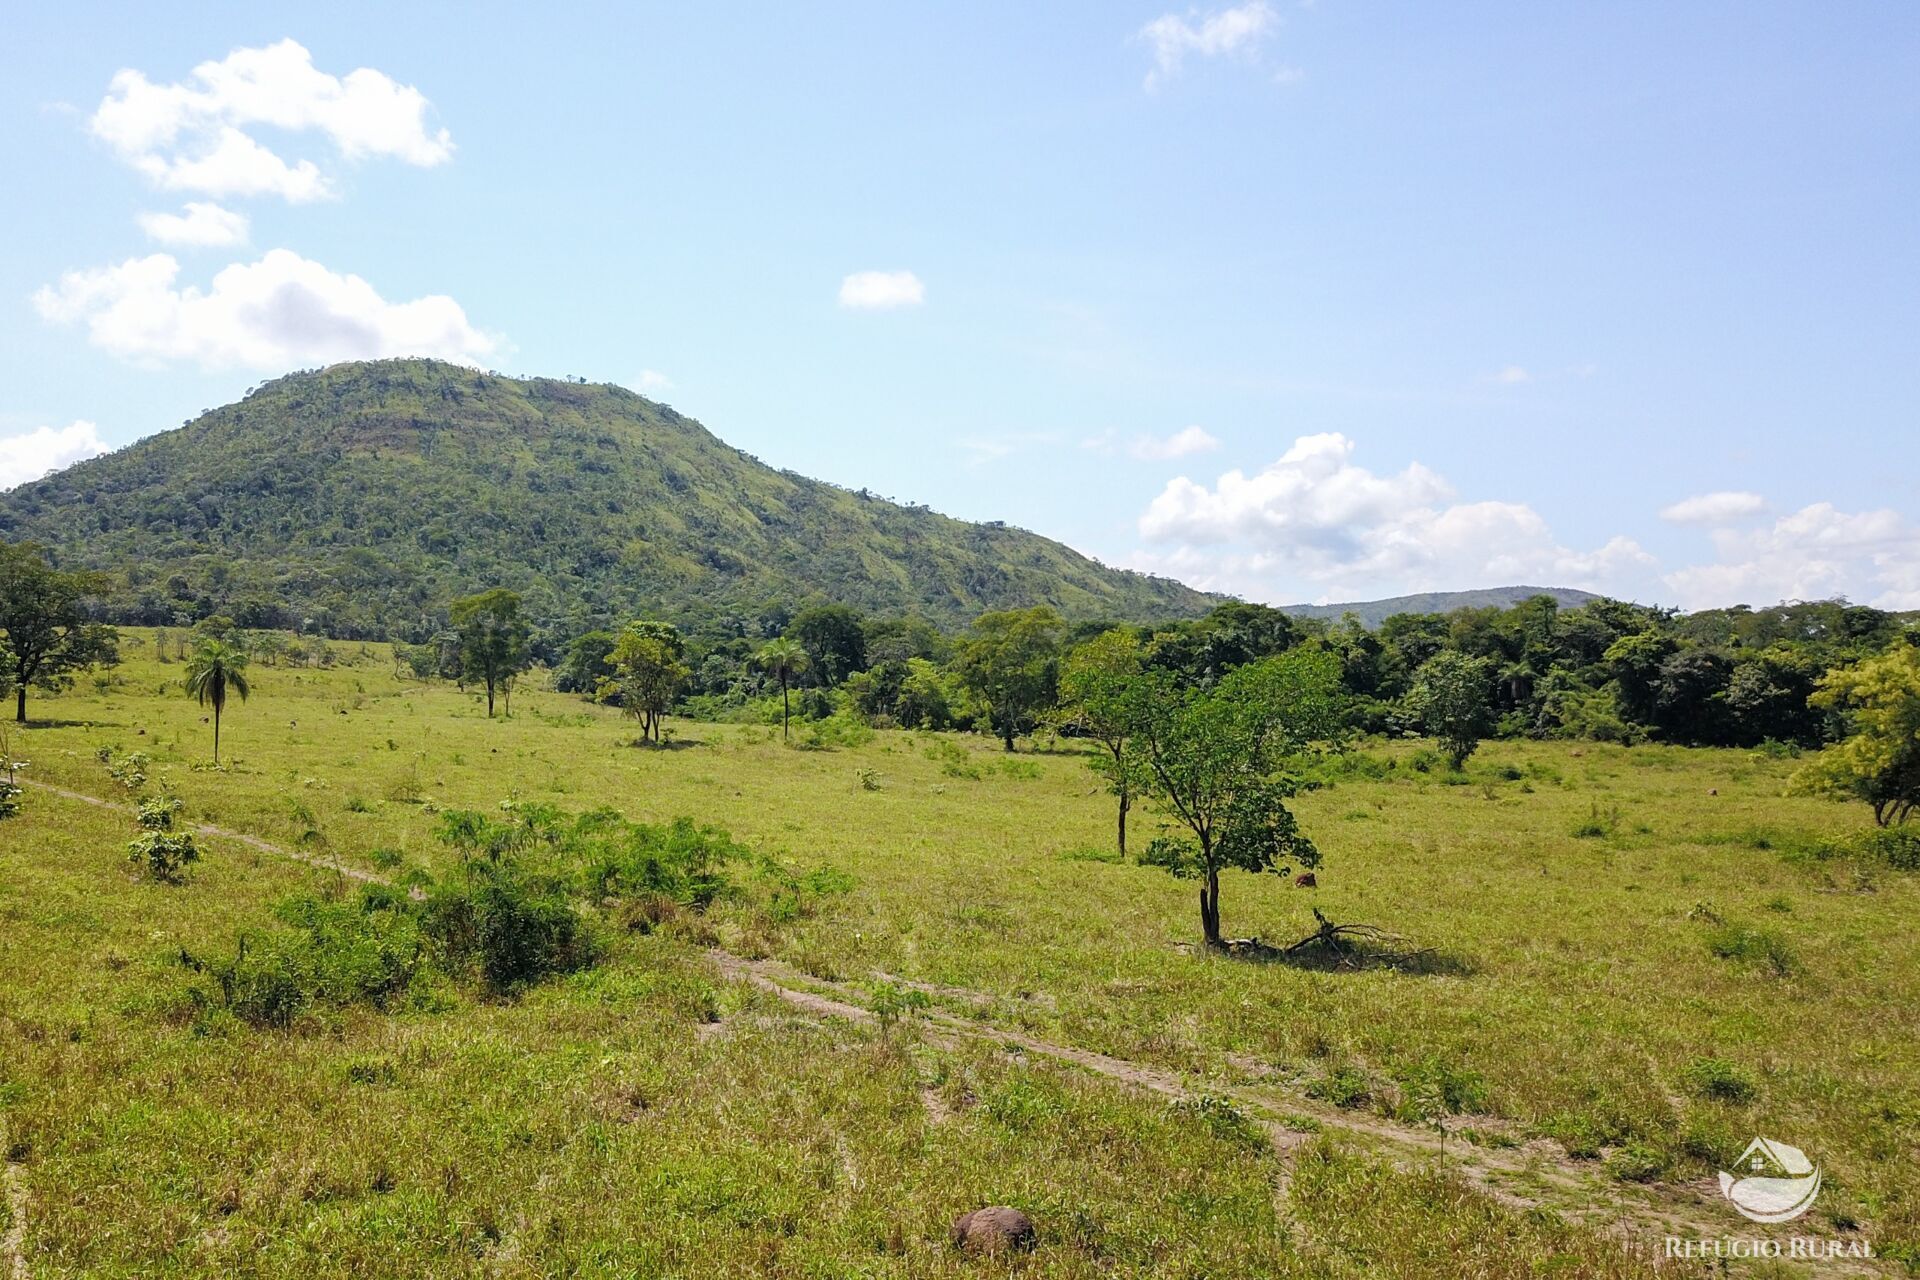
651, 382
191, 135
882, 290
32, 454
201, 225
1814, 553
1511, 376
1314, 517
1175, 37
280, 312
1723, 507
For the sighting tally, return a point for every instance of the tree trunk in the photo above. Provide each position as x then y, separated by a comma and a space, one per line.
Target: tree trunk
489, 699
1125, 802
216, 735
1210, 908
20, 706
1006, 731
786, 710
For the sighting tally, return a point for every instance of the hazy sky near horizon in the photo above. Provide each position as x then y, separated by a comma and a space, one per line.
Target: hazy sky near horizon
1302, 301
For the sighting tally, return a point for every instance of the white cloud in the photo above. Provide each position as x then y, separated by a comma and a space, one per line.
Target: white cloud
32, 454
1314, 517
882, 290
1511, 376
1723, 507
1240, 30
651, 382
278, 313
1187, 440
203, 225
190, 135
1814, 553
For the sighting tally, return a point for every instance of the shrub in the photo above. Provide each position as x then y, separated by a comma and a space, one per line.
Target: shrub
1637, 1162
1344, 1087
1434, 1088
1719, 1079
160, 852
510, 927
1761, 948
953, 759
1598, 822
9, 798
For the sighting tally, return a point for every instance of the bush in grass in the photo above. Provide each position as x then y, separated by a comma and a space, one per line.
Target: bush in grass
509, 926
162, 853
1637, 1162
1760, 948
1345, 1087
1719, 1079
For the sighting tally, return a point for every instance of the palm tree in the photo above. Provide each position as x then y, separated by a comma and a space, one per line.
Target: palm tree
217, 668
783, 660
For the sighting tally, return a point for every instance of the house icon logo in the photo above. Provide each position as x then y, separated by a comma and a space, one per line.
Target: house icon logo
1776, 1182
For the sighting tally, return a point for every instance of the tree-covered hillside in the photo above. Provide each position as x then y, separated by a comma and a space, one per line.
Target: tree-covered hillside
359, 499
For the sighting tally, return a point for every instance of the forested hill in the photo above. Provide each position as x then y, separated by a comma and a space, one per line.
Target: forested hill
1372, 613
358, 500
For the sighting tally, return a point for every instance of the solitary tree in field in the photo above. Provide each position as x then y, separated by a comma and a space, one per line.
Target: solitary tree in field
44, 624
492, 638
1011, 662
648, 673
215, 670
1096, 681
783, 660
1880, 761
1213, 760
1453, 698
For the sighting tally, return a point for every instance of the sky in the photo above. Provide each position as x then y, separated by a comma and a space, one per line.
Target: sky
1305, 302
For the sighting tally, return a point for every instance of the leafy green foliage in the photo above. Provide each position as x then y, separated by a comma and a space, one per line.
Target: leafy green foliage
1010, 662
160, 852
44, 623
1452, 699
1215, 761
1879, 762
492, 638
215, 670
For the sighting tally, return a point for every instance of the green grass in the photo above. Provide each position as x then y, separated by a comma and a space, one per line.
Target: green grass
1629, 994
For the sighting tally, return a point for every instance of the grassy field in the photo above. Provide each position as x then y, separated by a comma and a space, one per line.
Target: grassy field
1634, 965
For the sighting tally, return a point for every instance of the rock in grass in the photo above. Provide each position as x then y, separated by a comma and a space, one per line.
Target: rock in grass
995, 1229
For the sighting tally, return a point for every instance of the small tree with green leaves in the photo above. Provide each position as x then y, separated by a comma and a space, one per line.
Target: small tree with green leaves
1453, 697
1011, 663
648, 673
216, 670
492, 639
1095, 683
44, 623
161, 852
783, 659
1215, 762
1879, 760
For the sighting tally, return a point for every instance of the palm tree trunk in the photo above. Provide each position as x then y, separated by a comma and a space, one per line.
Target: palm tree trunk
786, 707
216, 735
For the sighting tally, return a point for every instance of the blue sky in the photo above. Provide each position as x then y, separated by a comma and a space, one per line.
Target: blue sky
1306, 302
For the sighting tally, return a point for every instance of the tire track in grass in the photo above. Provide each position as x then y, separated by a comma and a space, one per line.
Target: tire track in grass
1508, 1177
222, 833
1523, 1179
13, 1246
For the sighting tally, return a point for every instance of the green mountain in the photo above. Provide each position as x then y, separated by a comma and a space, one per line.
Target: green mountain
1373, 612
358, 500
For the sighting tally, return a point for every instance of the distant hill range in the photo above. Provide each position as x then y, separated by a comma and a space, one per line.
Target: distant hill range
359, 499
1373, 612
